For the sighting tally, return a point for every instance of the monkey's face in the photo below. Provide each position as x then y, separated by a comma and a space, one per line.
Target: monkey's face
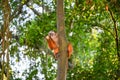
51, 34
54, 36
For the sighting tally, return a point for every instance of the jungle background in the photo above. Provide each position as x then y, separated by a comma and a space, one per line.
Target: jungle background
92, 27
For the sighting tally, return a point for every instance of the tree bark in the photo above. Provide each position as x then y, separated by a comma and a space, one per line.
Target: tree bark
62, 57
5, 37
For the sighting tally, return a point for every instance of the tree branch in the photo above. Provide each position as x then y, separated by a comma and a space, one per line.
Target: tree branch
18, 10
116, 33
35, 11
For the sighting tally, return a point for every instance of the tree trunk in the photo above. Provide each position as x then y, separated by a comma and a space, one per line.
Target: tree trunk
5, 37
62, 57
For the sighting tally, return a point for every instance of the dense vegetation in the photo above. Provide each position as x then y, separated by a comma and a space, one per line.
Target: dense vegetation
92, 26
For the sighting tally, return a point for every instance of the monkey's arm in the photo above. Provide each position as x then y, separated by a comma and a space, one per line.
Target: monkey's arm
70, 50
52, 45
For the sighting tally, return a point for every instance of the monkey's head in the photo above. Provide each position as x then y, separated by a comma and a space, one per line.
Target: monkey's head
53, 35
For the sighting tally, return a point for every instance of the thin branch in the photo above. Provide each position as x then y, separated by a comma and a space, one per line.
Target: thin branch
18, 10
35, 11
116, 33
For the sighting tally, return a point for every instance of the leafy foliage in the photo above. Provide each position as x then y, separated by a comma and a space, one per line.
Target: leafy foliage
89, 27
